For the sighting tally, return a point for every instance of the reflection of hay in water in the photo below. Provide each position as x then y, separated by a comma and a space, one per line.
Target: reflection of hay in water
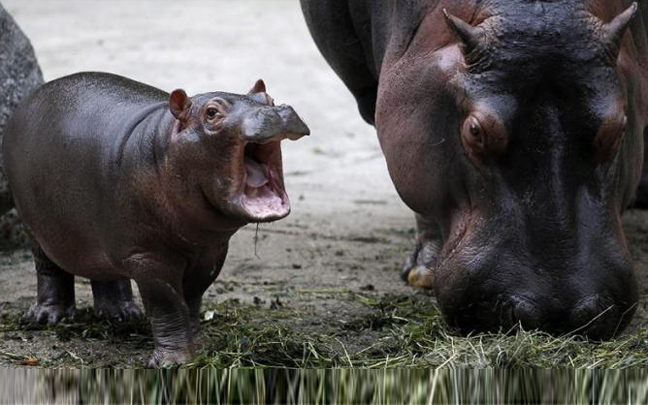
334, 386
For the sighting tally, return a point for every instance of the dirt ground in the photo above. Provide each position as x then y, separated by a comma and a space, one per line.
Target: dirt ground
348, 232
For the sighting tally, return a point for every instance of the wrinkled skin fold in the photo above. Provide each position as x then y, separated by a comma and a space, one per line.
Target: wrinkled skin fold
515, 131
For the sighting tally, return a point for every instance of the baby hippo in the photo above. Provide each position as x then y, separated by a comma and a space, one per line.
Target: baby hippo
118, 180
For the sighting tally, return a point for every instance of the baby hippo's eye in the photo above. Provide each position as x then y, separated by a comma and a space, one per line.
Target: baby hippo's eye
212, 113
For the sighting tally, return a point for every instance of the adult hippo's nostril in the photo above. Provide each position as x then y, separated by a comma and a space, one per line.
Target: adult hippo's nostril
498, 291
597, 317
524, 313
506, 314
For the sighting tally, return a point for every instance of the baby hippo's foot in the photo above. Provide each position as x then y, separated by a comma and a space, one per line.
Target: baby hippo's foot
125, 311
41, 313
114, 300
167, 358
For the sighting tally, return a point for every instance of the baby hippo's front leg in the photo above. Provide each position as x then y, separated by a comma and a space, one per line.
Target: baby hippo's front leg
160, 284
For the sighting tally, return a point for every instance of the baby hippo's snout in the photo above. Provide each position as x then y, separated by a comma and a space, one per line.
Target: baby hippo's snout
293, 126
268, 123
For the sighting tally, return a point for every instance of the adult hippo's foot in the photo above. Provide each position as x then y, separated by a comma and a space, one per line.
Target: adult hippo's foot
114, 300
55, 300
417, 270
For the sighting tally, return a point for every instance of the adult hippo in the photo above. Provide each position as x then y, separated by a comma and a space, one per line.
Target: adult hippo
514, 130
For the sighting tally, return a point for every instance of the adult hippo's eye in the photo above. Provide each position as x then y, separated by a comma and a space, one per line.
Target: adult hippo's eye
472, 134
475, 129
609, 138
482, 137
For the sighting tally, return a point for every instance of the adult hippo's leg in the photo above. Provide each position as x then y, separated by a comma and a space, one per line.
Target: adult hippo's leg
332, 25
114, 299
641, 199
417, 270
55, 299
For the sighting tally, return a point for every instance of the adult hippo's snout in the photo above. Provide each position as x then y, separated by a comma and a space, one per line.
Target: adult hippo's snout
500, 283
595, 317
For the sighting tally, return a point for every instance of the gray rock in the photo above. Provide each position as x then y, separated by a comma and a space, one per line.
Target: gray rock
19, 76
13, 232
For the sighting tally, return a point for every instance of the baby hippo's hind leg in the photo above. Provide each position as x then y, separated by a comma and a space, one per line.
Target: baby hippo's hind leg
114, 299
55, 299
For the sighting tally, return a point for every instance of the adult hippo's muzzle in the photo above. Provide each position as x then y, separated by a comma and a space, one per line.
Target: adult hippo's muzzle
493, 282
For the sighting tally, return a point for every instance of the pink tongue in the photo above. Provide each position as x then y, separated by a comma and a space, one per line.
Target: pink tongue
256, 173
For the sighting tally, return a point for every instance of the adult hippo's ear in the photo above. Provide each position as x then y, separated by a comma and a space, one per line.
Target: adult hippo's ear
470, 36
614, 31
180, 105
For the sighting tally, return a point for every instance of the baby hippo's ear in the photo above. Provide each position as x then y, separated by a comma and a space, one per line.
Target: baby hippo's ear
259, 87
258, 93
180, 105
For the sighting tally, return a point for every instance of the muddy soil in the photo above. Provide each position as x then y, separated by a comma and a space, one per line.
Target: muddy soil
348, 232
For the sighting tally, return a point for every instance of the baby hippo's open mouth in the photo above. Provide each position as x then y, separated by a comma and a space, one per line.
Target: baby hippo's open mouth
263, 197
